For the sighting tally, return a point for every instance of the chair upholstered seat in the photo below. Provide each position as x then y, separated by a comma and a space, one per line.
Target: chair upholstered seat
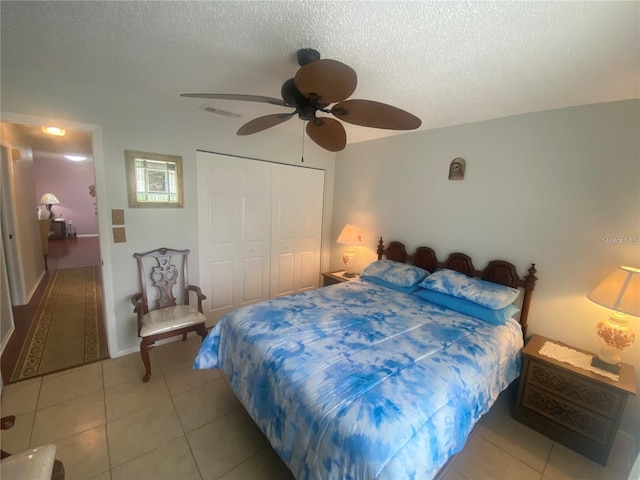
34, 464
170, 318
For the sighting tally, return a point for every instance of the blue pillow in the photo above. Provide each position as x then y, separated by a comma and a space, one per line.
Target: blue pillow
383, 283
487, 294
495, 317
395, 273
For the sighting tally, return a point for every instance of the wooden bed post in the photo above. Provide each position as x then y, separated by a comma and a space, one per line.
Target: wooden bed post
529, 286
380, 249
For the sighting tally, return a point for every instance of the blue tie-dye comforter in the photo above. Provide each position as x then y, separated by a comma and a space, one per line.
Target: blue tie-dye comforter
357, 381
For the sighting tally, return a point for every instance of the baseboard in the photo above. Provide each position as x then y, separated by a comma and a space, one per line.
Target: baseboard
630, 440
122, 353
635, 469
5, 340
127, 351
35, 287
624, 453
88, 235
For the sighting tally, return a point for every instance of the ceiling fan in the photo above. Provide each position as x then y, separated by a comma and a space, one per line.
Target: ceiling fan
317, 85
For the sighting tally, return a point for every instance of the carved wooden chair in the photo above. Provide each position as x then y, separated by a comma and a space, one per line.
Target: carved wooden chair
160, 313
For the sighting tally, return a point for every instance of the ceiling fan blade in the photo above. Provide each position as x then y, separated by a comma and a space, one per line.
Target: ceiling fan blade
328, 133
375, 114
326, 81
262, 123
233, 96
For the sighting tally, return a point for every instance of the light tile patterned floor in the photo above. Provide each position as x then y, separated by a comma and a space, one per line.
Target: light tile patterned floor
187, 424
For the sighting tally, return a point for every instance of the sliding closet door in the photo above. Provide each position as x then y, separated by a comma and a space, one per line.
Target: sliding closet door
234, 203
260, 230
296, 229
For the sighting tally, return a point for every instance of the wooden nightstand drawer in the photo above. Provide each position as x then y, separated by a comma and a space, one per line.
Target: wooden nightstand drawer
571, 405
569, 414
571, 387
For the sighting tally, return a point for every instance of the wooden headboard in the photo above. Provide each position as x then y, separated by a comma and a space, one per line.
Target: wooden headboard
497, 271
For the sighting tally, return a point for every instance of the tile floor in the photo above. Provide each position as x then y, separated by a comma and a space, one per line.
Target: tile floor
186, 424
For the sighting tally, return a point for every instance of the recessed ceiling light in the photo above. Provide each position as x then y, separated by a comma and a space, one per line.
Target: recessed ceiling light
58, 132
75, 158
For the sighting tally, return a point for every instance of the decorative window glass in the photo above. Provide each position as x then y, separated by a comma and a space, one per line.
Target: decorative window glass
154, 180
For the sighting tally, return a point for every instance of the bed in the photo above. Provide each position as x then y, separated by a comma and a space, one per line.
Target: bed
367, 380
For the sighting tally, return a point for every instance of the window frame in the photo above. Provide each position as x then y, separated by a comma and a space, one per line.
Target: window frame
131, 157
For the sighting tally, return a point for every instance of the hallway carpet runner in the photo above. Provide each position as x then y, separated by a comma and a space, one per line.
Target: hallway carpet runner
68, 330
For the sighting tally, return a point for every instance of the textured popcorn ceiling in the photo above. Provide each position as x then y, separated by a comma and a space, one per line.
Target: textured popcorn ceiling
446, 62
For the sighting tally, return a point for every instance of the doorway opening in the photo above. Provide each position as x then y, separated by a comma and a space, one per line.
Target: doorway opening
62, 168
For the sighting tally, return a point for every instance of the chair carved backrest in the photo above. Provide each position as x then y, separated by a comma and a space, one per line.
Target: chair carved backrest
162, 269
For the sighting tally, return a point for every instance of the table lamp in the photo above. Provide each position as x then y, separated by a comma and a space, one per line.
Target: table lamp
619, 292
350, 236
49, 199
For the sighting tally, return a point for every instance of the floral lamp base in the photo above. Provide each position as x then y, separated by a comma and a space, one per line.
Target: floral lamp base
349, 260
615, 334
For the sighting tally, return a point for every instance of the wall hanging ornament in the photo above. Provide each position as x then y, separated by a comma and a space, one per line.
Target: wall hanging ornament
456, 169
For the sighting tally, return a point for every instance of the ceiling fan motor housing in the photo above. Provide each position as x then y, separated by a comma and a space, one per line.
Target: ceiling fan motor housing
307, 55
306, 112
290, 94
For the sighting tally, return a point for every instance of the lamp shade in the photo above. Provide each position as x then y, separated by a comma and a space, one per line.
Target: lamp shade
49, 199
350, 235
620, 291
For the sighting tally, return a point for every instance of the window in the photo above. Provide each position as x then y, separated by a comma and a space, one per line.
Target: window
154, 180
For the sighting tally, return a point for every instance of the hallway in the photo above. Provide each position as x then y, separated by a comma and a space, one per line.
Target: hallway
67, 253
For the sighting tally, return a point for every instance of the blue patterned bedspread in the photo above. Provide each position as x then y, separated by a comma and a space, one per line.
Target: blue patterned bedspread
357, 381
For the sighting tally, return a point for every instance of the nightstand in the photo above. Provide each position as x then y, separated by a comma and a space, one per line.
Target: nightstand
58, 228
575, 407
332, 278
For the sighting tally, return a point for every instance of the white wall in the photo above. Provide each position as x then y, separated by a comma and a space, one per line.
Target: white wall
544, 188
172, 126
69, 182
6, 313
19, 173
